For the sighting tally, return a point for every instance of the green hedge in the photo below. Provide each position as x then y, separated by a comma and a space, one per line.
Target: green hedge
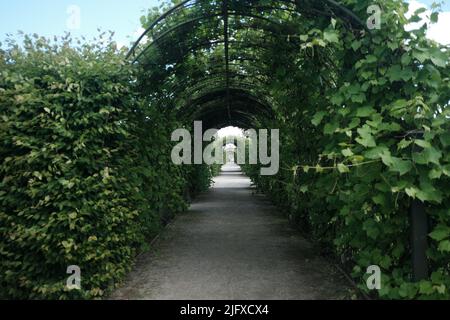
85, 173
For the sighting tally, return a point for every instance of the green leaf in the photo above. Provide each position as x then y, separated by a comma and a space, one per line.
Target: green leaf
356, 45
438, 57
366, 139
394, 73
407, 290
73, 215
337, 99
37, 175
359, 97
420, 11
318, 117
396, 164
331, 36
446, 170
304, 189
422, 143
428, 192
371, 58
404, 144
440, 232
434, 17
343, 168
371, 228
365, 112
330, 128
406, 59
379, 199
426, 287
412, 192
375, 153
435, 174
445, 139
420, 55
333, 22
444, 246
429, 155
347, 152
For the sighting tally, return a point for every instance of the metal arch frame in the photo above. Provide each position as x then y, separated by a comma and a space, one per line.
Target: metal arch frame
184, 3
225, 14
239, 88
203, 17
244, 105
216, 77
217, 110
212, 66
219, 76
158, 20
235, 90
191, 21
206, 44
205, 98
184, 83
243, 120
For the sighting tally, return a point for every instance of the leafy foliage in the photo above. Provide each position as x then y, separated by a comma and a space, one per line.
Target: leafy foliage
85, 176
369, 141
363, 117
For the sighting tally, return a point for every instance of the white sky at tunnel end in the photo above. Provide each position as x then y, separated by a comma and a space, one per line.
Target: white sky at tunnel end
230, 131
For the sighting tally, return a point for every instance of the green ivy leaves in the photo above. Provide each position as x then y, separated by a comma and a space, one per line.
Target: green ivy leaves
429, 155
380, 135
366, 137
440, 232
396, 164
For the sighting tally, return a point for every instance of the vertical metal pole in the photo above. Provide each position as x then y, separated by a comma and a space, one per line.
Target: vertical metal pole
419, 235
227, 58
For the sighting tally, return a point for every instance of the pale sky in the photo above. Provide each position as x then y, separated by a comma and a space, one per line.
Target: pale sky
52, 17
440, 31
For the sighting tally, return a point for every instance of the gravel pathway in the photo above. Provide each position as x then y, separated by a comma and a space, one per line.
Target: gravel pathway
232, 244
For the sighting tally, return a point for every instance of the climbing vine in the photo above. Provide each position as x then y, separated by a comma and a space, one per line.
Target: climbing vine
86, 177
376, 138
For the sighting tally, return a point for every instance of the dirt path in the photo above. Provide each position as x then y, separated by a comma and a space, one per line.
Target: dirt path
232, 244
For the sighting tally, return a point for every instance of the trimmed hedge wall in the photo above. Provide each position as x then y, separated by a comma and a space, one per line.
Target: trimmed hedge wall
85, 174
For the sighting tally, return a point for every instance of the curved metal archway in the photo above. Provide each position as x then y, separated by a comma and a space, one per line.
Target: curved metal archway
231, 86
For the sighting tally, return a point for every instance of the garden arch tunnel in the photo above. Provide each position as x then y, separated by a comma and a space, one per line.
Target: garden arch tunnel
213, 60
87, 175
237, 62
